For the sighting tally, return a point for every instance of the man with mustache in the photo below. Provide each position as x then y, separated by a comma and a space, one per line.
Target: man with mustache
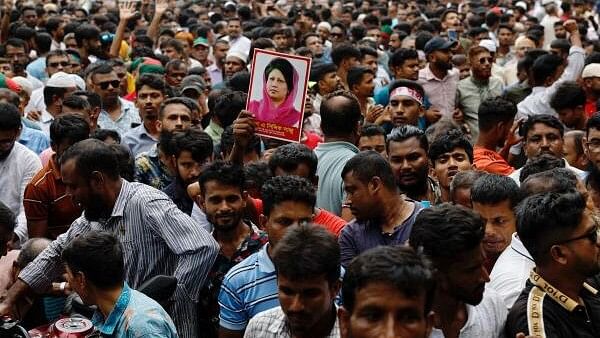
450, 153
451, 236
543, 134
150, 90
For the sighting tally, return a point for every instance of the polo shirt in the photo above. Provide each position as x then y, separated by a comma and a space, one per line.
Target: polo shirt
139, 140
490, 161
543, 310
248, 289
46, 199
332, 158
129, 116
359, 236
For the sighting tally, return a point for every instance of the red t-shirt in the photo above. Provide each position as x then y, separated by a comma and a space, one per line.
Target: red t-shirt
330, 221
491, 161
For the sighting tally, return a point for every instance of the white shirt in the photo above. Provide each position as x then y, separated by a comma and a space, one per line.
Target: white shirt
511, 271
45, 121
16, 171
36, 101
483, 320
240, 43
580, 173
548, 23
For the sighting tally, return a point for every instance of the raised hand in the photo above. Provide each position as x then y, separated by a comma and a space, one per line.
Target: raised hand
127, 9
161, 6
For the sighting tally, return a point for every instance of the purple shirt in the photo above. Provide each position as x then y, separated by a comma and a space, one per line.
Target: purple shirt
359, 236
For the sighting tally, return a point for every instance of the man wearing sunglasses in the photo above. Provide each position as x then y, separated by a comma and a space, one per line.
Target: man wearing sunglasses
561, 235
117, 114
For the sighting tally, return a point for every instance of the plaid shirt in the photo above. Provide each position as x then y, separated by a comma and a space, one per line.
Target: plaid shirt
273, 324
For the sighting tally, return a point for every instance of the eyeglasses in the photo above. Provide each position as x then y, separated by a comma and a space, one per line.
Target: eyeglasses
591, 235
56, 64
104, 85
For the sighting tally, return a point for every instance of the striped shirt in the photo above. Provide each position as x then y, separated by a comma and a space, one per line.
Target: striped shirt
157, 238
273, 324
248, 288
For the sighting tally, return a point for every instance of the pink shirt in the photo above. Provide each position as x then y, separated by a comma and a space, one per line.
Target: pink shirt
440, 92
46, 155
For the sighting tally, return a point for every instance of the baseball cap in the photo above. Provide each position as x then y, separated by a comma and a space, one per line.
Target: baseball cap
591, 70
438, 43
201, 41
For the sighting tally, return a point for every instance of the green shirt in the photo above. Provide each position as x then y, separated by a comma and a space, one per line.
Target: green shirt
214, 131
470, 93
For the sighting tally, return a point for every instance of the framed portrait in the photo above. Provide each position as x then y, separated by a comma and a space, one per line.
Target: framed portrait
277, 93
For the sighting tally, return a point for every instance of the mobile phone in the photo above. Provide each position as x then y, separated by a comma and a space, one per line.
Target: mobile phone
452, 34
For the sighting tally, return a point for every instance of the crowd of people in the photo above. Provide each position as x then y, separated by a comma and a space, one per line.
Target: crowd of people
446, 182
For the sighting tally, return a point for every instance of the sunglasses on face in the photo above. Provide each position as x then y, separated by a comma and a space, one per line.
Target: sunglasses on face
592, 235
104, 85
56, 64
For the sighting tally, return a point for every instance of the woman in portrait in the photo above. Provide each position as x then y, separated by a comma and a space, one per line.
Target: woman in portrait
278, 94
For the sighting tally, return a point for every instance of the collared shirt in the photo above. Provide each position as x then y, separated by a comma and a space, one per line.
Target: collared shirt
543, 310
214, 131
36, 101
34, 139
241, 43
216, 74
123, 124
16, 171
469, 96
177, 192
248, 289
580, 173
485, 319
510, 272
151, 171
490, 161
139, 140
135, 315
441, 92
45, 121
273, 324
332, 159
359, 236
46, 199
37, 69
209, 304
158, 239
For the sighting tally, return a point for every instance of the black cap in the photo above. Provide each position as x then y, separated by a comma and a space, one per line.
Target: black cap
438, 43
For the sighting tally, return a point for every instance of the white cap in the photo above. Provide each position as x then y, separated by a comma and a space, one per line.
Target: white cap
547, 2
324, 24
61, 80
488, 44
238, 54
79, 82
24, 83
521, 4
591, 70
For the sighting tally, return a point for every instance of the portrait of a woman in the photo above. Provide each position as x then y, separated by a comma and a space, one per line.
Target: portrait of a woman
280, 82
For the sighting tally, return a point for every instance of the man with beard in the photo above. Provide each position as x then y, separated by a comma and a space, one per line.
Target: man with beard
223, 200
158, 238
17, 51
479, 86
154, 167
561, 235
360, 81
307, 261
18, 165
326, 80
450, 153
236, 40
235, 62
382, 214
117, 114
407, 148
88, 43
451, 237
494, 197
150, 90
543, 134
191, 150
439, 79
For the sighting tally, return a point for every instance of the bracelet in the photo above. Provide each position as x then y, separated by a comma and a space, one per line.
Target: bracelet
62, 286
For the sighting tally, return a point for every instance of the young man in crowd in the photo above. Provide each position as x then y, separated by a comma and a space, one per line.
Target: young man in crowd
372, 137
591, 143
460, 188
326, 80
573, 149
403, 64
494, 198
406, 103
569, 104
307, 261
450, 153
360, 82
382, 215
452, 238
590, 80
345, 56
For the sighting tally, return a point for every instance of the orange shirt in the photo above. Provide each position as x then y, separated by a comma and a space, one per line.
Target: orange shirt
490, 161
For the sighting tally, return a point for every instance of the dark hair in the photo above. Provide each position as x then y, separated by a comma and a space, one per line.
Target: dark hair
51, 92
92, 155
153, 81
125, 160
344, 51
102, 68
289, 156
175, 64
562, 44
447, 142
16, 42
592, 123
402, 55
92, 97
306, 252
553, 180
464, 180
85, 32
356, 74
494, 189
368, 164
76, 102
228, 106
494, 110
445, 231
10, 119
240, 81
369, 130
176, 100
577, 136
70, 127
227, 141
256, 174
99, 256
30, 250
223, 172
540, 164
43, 42
281, 189
365, 50
197, 142
421, 39
549, 120
568, 95
347, 111
408, 84
103, 134
404, 132
544, 67
285, 67
12, 97
546, 218
8, 219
